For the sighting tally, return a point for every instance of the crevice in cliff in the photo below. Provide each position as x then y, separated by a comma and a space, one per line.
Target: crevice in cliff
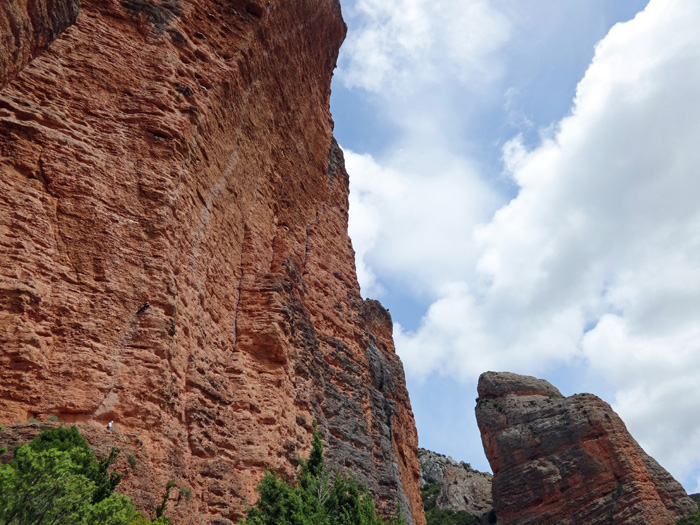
66, 245
239, 289
308, 234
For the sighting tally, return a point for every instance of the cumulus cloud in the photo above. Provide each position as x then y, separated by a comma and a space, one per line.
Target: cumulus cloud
596, 257
411, 223
402, 45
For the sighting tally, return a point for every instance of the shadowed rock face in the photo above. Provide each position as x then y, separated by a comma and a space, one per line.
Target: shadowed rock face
461, 487
27, 28
180, 153
570, 460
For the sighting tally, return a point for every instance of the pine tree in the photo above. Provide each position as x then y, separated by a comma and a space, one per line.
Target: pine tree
315, 498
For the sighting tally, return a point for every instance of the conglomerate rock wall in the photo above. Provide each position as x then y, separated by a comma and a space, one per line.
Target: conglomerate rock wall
180, 153
568, 460
27, 28
460, 486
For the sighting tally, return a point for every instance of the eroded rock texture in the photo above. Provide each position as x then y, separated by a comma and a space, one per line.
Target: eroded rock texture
461, 487
180, 153
570, 460
27, 28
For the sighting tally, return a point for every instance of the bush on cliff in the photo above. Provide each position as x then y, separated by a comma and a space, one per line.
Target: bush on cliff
56, 479
692, 519
315, 499
437, 516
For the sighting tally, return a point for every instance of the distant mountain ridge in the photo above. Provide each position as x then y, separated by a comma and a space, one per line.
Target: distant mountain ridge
453, 487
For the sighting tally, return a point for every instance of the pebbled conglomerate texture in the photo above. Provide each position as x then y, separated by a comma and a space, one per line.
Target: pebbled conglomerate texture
568, 460
461, 487
27, 28
180, 153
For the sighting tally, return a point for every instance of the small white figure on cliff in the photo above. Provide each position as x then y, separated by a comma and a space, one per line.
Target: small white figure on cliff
109, 425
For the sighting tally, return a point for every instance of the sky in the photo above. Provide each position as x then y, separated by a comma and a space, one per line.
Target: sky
524, 197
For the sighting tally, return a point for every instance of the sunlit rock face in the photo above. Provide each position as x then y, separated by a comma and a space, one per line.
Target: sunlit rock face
568, 460
180, 153
460, 486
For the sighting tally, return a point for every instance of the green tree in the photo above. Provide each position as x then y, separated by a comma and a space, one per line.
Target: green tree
70, 440
315, 498
56, 479
49, 486
692, 519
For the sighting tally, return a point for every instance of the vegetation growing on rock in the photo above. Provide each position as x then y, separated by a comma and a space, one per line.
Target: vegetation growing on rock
315, 498
56, 479
692, 519
437, 516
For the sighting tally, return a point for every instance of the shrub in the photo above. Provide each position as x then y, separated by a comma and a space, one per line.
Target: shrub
131, 460
314, 499
56, 479
160, 509
692, 519
186, 492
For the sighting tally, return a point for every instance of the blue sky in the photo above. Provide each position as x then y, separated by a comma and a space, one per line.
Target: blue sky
524, 198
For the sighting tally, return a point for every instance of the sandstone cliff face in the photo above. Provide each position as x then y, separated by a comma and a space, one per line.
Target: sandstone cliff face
180, 153
570, 460
27, 29
461, 487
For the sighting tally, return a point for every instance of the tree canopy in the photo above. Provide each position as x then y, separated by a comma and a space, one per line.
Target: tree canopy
56, 479
316, 497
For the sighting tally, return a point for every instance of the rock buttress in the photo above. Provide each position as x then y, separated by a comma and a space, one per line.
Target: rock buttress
180, 153
28, 28
460, 486
568, 460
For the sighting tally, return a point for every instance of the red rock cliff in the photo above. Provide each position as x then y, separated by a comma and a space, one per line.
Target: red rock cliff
180, 153
568, 461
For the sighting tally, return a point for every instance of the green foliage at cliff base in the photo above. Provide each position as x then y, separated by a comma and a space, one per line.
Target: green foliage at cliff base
56, 479
316, 497
694, 518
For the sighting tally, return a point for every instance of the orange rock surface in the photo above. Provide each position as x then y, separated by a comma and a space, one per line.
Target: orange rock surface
180, 153
568, 460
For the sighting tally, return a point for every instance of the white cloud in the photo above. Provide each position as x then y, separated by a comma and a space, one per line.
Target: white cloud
411, 222
596, 259
402, 45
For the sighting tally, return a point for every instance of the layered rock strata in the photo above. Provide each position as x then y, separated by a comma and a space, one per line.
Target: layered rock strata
28, 28
460, 486
568, 460
174, 253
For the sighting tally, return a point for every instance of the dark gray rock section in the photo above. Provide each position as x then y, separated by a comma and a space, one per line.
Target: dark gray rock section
461, 487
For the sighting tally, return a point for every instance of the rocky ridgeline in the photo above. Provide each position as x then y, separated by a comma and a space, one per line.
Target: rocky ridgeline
455, 486
174, 252
568, 460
